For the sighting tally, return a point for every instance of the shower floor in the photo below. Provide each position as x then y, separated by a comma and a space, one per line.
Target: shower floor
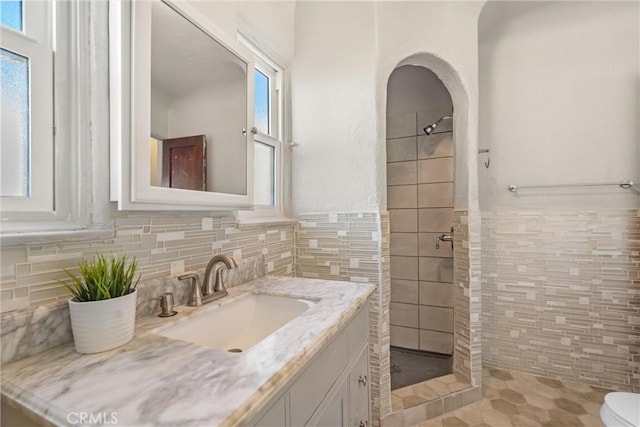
414, 366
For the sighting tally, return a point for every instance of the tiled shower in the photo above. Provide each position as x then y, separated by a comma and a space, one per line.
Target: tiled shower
420, 170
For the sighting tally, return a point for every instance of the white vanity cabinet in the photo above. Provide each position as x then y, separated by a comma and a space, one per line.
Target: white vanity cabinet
332, 390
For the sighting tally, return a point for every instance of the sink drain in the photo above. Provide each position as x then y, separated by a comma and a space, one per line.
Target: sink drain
235, 350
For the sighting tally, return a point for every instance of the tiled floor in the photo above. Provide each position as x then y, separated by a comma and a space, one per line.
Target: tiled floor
518, 399
425, 391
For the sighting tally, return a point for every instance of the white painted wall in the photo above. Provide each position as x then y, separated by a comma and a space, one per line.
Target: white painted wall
335, 165
443, 37
159, 114
217, 112
345, 53
559, 101
272, 20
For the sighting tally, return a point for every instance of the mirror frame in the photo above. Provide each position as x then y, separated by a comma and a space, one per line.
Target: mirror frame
130, 108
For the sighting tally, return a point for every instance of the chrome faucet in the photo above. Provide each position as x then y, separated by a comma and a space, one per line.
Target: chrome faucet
209, 292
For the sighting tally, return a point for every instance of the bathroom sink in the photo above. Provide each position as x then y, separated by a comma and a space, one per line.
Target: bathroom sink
240, 324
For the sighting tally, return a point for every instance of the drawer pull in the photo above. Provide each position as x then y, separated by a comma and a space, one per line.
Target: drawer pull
363, 424
362, 379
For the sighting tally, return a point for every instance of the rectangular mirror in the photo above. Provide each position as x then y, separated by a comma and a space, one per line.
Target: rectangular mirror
185, 144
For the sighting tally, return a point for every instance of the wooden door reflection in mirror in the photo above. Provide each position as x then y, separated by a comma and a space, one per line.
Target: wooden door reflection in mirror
184, 163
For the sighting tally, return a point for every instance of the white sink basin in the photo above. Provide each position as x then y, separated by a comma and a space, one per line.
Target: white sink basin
239, 325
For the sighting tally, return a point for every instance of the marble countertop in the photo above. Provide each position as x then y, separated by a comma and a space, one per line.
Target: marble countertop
158, 381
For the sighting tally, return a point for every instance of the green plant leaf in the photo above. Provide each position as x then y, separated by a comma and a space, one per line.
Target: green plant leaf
103, 278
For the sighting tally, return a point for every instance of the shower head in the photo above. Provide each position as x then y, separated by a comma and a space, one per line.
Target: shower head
429, 129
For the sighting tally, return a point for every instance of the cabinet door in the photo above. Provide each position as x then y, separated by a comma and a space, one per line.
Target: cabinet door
276, 416
333, 414
359, 392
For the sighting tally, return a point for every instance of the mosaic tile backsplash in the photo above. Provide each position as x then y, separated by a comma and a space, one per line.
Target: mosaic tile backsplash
561, 295
354, 247
163, 246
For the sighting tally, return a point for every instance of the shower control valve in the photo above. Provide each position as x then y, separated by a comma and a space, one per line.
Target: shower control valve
448, 237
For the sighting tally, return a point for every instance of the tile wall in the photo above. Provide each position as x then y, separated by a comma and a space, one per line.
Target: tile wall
420, 170
164, 246
467, 355
561, 295
354, 247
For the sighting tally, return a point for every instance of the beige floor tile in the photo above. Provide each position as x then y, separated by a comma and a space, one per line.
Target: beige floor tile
551, 382
499, 374
591, 421
403, 392
440, 388
512, 396
534, 413
540, 401
545, 391
507, 408
572, 395
592, 408
470, 414
457, 386
396, 403
570, 406
495, 418
519, 386
425, 391
490, 392
411, 401
579, 387
522, 421
563, 418
495, 383
523, 377
512, 399
447, 379
453, 421
436, 422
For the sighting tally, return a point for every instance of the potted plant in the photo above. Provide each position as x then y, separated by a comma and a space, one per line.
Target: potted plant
103, 303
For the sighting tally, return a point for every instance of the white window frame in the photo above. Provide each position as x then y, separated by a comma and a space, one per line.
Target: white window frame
77, 125
275, 69
36, 43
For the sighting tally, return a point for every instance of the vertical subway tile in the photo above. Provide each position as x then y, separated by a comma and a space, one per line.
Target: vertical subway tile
403, 220
435, 170
401, 173
402, 196
401, 125
435, 195
401, 149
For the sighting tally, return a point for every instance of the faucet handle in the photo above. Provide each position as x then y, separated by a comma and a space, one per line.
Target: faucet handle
195, 299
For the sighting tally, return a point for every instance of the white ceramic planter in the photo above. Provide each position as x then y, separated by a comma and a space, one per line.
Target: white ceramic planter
103, 325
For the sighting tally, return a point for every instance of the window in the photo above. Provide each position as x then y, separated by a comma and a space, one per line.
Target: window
50, 126
269, 161
26, 76
267, 142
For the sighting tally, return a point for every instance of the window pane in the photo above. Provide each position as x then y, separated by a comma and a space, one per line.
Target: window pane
14, 112
264, 174
11, 14
262, 102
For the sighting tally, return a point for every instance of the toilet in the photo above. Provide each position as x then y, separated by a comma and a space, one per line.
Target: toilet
621, 410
